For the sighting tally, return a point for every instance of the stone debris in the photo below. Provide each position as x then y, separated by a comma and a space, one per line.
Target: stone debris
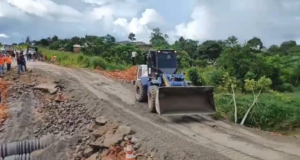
48, 87
106, 138
90, 138
101, 120
107, 141
65, 118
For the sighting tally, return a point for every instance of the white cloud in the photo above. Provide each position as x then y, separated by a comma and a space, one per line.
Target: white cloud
8, 11
272, 20
46, 9
3, 35
117, 8
199, 26
142, 27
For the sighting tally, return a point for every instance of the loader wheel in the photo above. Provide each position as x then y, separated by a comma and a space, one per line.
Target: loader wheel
151, 98
140, 92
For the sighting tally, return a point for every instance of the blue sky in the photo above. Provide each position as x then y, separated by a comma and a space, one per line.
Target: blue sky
273, 21
176, 12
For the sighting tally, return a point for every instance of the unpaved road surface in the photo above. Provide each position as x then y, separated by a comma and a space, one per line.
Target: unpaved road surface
176, 138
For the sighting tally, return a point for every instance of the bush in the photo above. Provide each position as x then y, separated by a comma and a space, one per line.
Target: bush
81, 60
193, 76
271, 112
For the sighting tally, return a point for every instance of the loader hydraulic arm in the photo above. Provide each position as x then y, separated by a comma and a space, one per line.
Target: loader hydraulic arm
165, 80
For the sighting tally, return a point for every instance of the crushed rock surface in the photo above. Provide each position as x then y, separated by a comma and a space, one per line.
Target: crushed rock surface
34, 111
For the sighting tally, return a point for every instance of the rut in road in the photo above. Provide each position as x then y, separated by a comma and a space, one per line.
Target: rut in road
200, 137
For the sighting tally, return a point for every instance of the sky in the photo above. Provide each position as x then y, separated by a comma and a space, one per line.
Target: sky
273, 21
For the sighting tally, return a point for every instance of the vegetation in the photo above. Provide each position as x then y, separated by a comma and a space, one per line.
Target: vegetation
255, 86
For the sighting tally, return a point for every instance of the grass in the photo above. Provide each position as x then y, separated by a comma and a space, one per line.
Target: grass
271, 112
80, 60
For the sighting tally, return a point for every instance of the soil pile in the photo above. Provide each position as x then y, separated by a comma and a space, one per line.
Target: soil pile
127, 75
4, 85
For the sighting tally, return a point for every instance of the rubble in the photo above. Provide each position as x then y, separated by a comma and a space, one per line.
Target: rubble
101, 120
49, 87
109, 138
81, 135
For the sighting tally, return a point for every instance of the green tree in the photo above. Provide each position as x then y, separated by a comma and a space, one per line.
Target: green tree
231, 41
158, 39
255, 44
54, 38
131, 36
28, 41
286, 45
44, 42
274, 49
210, 49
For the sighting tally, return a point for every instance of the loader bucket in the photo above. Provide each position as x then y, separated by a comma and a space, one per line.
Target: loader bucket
185, 100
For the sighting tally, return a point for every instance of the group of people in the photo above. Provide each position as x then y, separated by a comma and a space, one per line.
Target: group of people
34, 56
7, 58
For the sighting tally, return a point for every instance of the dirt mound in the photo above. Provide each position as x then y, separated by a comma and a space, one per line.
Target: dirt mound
3, 107
127, 75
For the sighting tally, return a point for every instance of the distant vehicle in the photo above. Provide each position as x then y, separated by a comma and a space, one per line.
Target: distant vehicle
9, 48
32, 50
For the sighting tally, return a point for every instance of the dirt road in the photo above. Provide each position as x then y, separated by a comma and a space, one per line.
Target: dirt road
178, 138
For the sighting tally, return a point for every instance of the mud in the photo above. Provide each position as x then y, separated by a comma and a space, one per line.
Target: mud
171, 138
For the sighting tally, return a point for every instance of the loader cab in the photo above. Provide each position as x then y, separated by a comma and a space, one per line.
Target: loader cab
161, 61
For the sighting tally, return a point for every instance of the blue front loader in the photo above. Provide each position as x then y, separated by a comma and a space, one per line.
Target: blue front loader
171, 94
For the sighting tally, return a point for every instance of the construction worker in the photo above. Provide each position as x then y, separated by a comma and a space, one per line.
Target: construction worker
8, 61
19, 62
52, 58
23, 61
2, 61
133, 57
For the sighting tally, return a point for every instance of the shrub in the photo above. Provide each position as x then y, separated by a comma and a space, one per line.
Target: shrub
81, 60
270, 112
193, 76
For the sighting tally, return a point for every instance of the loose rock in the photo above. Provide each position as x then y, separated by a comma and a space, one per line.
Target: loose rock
101, 120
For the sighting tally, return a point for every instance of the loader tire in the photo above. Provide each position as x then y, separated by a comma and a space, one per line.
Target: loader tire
140, 92
152, 98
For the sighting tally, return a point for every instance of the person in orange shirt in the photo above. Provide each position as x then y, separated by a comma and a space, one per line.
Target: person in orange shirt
52, 58
8, 61
2, 61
